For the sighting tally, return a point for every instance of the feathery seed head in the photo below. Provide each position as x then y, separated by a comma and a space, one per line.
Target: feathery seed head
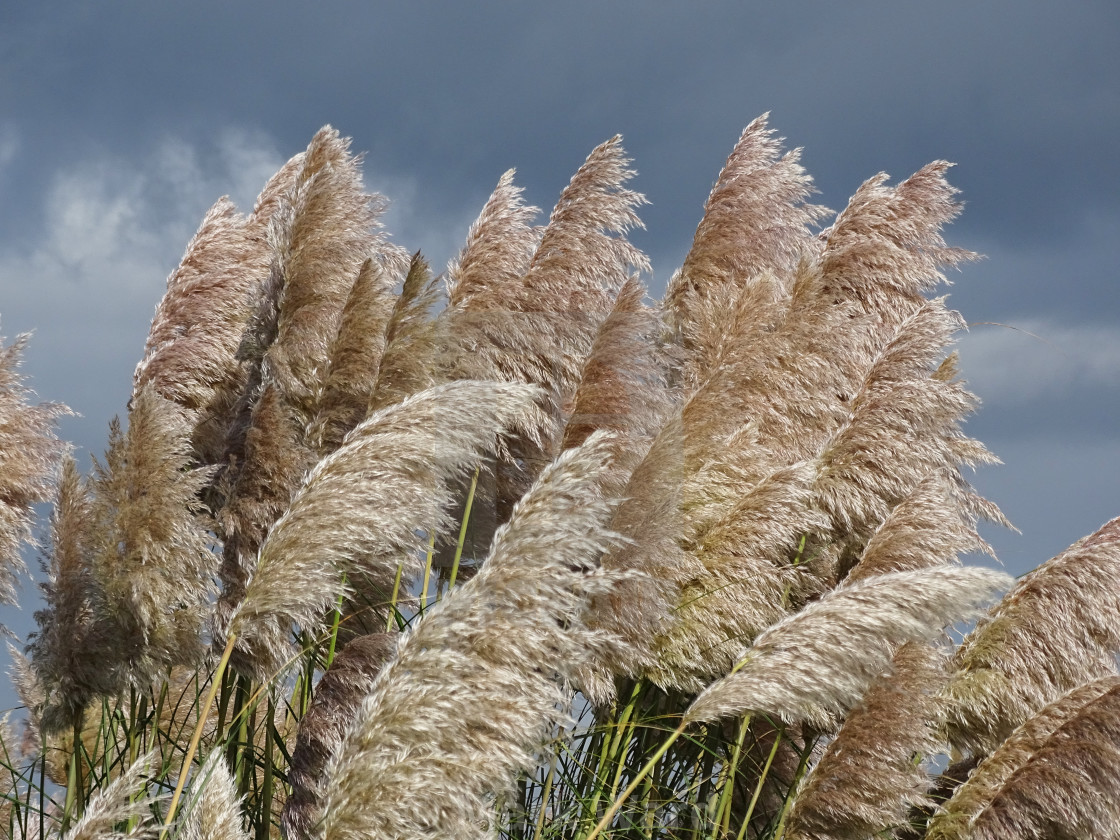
745, 581
499, 246
955, 817
756, 221
867, 779
1057, 629
29, 456
816, 664
929, 527
364, 508
65, 650
213, 811
1054, 777
355, 357
479, 681
124, 800
319, 242
191, 352
151, 559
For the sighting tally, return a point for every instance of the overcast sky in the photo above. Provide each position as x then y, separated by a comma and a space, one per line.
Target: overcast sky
120, 123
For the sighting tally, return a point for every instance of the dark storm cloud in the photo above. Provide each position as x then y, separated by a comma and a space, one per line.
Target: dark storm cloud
1021, 93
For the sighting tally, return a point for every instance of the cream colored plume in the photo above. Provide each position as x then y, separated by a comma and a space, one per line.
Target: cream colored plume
412, 359
954, 819
213, 810
756, 221
151, 564
539, 327
929, 527
322, 227
1030, 651
624, 388
499, 246
355, 357
624, 383
817, 664
29, 457
124, 801
1067, 787
904, 423
868, 778
479, 681
325, 228
68, 648
741, 579
887, 247
191, 353
365, 508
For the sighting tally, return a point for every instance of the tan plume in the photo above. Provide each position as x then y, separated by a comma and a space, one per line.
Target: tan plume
817, 664
464, 707
1028, 652
363, 509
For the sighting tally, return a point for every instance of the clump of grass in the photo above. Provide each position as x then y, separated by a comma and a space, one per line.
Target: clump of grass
516, 551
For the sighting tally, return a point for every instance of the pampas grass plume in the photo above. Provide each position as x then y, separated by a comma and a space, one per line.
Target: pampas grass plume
457, 714
121, 801
215, 807
29, 457
868, 778
816, 665
1029, 652
362, 508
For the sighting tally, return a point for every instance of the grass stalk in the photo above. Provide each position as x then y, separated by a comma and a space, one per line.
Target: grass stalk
336, 618
393, 598
791, 794
758, 786
546, 792
428, 570
637, 780
723, 810
463, 530
264, 823
196, 736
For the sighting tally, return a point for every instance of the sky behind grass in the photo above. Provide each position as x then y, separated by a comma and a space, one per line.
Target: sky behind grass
120, 123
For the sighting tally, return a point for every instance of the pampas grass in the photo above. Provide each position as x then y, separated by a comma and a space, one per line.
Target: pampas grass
1029, 652
516, 552
896, 721
29, 455
817, 664
467, 744
360, 510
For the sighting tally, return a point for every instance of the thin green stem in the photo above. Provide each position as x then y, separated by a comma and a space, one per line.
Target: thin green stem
192, 748
393, 598
73, 806
463, 530
264, 825
723, 810
758, 786
428, 570
620, 736
335, 620
546, 791
637, 780
802, 766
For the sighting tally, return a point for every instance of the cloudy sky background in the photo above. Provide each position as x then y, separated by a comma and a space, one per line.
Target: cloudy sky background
120, 123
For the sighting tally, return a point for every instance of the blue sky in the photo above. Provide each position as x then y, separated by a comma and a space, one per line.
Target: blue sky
120, 123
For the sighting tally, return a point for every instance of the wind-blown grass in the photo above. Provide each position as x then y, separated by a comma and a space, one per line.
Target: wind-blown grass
515, 551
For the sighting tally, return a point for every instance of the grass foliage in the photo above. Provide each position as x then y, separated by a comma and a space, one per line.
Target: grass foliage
514, 551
